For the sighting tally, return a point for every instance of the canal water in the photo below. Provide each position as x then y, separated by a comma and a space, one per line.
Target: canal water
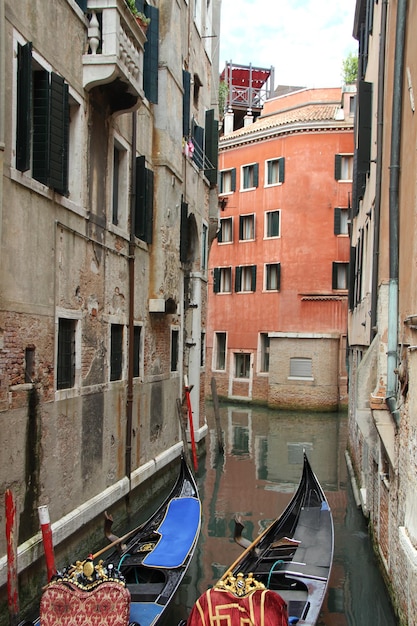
255, 477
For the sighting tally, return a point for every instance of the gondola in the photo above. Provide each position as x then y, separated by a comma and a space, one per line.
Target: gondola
291, 560
139, 578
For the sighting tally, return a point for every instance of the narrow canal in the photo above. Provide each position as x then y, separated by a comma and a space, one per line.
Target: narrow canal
255, 477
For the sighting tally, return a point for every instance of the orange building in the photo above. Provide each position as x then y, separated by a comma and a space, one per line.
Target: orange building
277, 315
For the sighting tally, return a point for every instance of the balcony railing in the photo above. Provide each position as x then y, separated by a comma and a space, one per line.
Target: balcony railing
115, 47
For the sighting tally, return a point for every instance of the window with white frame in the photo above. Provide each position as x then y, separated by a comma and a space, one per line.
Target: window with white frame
120, 185
341, 221
227, 181
219, 360
274, 171
242, 364
225, 234
245, 279
301, 368
42, 121
272, 224
222, 282
246, 227
272, 276
343, 167
250, 175
66, 353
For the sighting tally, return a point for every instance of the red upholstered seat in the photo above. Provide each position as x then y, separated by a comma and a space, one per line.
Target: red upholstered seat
64, 604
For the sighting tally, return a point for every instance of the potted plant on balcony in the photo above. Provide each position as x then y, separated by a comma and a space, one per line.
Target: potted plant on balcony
141, 18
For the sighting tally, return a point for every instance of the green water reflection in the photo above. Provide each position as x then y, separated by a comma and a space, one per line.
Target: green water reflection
255, 477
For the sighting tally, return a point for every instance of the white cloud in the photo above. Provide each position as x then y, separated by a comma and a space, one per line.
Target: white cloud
305, 40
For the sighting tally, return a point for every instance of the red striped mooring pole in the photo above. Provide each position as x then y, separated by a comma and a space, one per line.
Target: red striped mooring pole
12, 575
48, 545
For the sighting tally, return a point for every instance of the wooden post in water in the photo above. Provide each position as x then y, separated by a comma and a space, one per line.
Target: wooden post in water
217, 414
12, 576
183, 432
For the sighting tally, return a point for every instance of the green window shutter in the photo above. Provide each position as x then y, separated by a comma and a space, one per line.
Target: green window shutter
281, 167
198, 138
219, 234
140, 208
212, 146
364, 127
58, 134
82, 4
149, 206
253, 280
278, 276
41, 115
238, 279
240, 227
334, 275
216, 280
151, 55
24, 107
337, 222
255, 174
234, 179
352, 264
184, 232
337, 166
186, 82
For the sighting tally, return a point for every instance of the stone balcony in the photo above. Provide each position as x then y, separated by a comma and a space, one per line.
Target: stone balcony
115, 52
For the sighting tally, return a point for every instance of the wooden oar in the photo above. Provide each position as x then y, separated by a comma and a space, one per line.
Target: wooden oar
245, 552
116, 542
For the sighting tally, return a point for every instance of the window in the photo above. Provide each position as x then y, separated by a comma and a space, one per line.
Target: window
340, 276
42, 131
272, 223
227, 181
245, 279
246, 227
202, 349
65, 378
242, 364
341, 221
264, 352
301, 368
30, 364
225, 234
137, 352
120, 185
204, 247
275, 170
116, 351
175, 335
220, 351
249, 176
222, 282
343, 167
151, 54
144, 201
272, 276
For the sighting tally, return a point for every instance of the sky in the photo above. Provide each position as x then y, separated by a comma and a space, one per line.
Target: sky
305, 41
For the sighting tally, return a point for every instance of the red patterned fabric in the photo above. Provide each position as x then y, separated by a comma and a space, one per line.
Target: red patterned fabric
63, 604
260, 608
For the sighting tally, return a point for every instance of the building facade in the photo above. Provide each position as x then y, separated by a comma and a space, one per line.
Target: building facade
109, 203
382, 300
279, 267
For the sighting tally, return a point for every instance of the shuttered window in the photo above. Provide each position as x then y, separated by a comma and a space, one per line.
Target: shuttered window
151, 55
184, 245
301, 368
272, 224
272, 276
42, 123
211, 147
144, 201
227, 181
250, 176
341, 221
275, 171
245, 278
186, 83
222, 280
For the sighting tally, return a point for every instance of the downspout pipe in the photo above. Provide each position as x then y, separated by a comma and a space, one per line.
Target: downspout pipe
129, 398
391, 398
379, 153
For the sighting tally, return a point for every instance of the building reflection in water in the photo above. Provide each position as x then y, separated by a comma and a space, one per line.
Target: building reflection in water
255, 477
